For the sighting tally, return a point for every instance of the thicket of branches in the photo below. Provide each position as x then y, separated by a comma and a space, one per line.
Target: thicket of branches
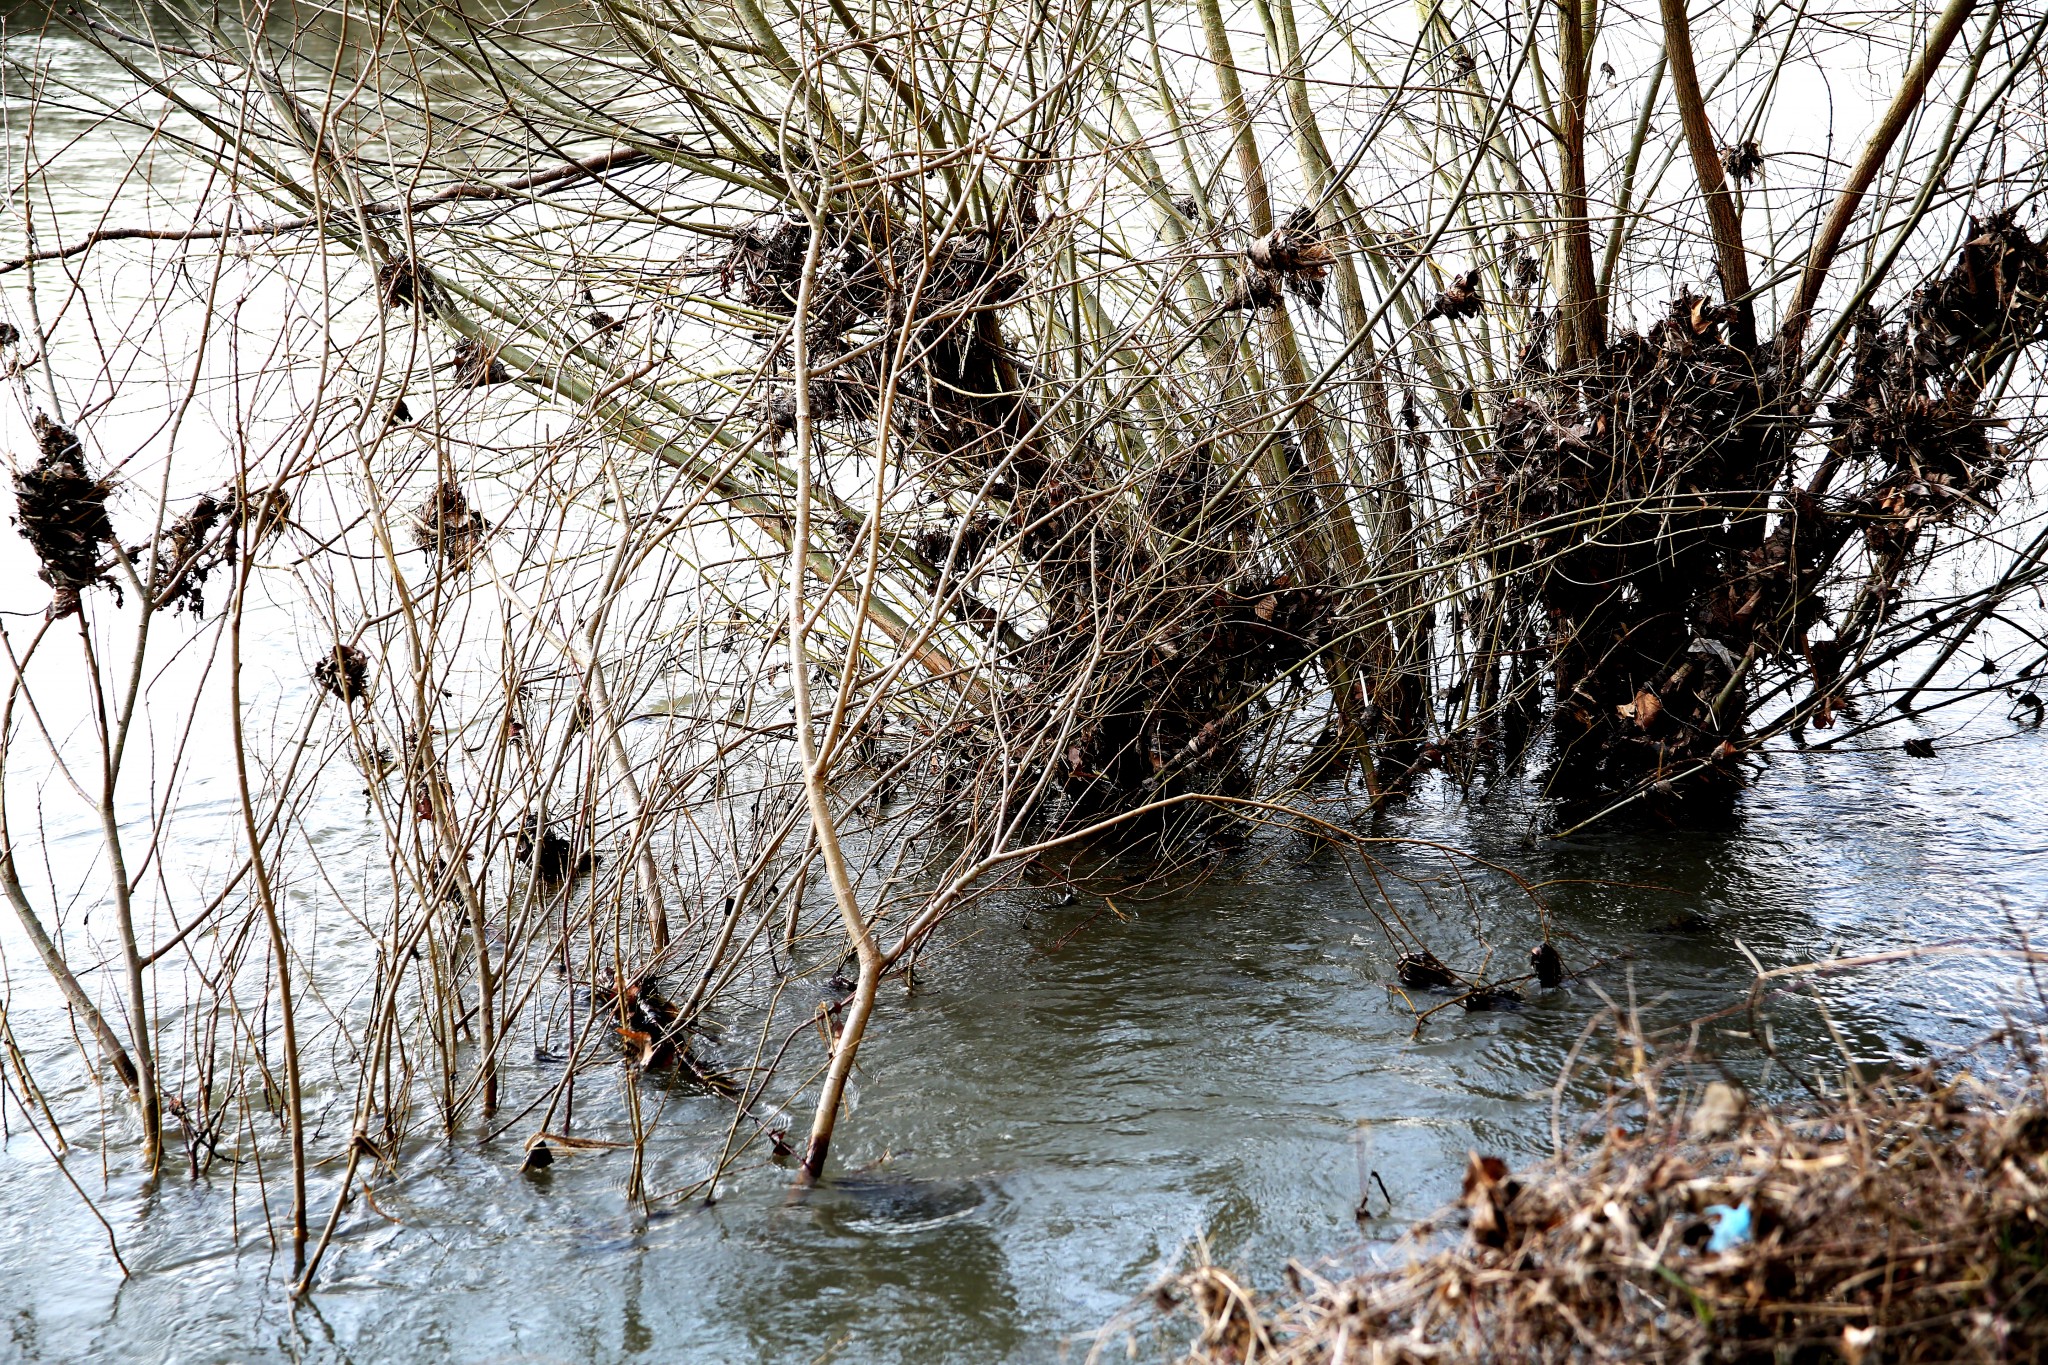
901, 447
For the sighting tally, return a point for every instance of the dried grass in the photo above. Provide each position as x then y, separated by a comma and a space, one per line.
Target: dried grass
1902, 1220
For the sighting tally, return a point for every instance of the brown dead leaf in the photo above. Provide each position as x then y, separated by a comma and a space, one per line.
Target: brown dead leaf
1720, 1109
1487, 1192
1647, 708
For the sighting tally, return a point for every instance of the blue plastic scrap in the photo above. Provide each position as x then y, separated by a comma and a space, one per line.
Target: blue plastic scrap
1731, 1226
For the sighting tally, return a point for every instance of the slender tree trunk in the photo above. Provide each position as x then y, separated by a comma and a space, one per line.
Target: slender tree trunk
1329, 540
280, 949
846, 1043
1722, 218
1911, 92
60, 971
1582, 327
143, 1049
46, 948
1391, 671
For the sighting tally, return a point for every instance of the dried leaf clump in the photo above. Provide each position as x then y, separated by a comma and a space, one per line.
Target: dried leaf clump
344, 674
1291, 259
553, 858
207, 536
402, 284
448, 528
62, 509
1624, 514
476, 365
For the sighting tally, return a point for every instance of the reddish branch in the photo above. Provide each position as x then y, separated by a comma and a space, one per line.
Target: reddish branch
1582, 334
1706, 161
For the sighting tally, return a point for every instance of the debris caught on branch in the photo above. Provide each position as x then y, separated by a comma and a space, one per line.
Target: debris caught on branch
1295, 254
765, 262
401, 283
1742, 162
476, 365
1422, 971
1658, 622
1254, 289
448, 528
344, 674
1483, 998
207, 536
604, 328
62, 510
656, 1037
191, 550
1459, 299
553, 858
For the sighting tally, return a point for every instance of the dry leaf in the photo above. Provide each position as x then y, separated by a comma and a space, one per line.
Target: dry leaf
1720, 1109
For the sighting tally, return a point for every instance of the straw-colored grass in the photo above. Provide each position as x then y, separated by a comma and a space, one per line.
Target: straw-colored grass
1901, 1220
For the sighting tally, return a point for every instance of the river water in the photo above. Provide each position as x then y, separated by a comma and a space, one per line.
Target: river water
1071, 1102
1078, 1096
